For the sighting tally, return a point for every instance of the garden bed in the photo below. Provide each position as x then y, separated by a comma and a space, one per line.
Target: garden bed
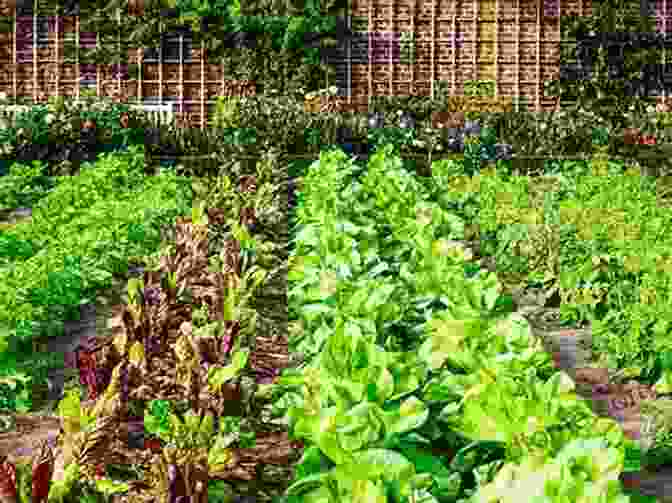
237, 326
367, 302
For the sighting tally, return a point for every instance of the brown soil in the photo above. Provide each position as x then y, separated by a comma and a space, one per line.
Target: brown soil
30, 431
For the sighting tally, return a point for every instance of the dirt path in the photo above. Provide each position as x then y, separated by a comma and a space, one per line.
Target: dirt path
30, 431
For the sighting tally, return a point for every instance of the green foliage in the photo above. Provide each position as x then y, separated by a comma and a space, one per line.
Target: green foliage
24, 185
32, 123
479, 88
371, 390
227, 113
15, 391
81, 231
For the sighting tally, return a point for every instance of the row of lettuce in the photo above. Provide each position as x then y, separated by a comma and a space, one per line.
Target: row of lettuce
417, 385
83, 230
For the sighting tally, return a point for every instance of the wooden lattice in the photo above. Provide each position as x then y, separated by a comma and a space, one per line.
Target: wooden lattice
516, 43
193, 85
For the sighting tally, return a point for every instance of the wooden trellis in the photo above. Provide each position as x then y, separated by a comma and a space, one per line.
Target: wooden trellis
192, 85
514, 42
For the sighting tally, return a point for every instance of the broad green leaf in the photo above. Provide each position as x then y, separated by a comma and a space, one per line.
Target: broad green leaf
366, 491
664, 383
109, 487
330, 445
378, 297
375, 463
218, 376
219, 455
384, 386
61, 488
378, 269
309, 483
360, 426
411, 415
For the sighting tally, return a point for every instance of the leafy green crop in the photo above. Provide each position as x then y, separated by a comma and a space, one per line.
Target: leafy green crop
24, 186
404, 352
80, 235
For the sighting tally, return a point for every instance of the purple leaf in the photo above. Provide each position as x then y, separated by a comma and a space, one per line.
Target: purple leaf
226, 344
152, 295
600, 389
384, 44
456, 40
551, 8
87, 40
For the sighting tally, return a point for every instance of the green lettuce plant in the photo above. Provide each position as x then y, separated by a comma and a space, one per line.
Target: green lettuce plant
462, 371
24, 185
585, 470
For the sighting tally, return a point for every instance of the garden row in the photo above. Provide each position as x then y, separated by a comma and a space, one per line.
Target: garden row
199, 336
421, 383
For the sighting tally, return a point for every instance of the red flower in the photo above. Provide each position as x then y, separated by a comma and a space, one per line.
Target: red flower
647, 140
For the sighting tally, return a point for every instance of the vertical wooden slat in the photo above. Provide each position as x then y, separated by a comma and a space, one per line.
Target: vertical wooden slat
124, 98
391, 35
160, 75
454, 46
496, 48
517, 70
16, 66
140, 61
348, 48
203, 93
58, 61
559, 32
370, 74
77, 53
664, 52
412, 65
98, 93
538, 86
476, 40
433, 35
35, 52
181, 73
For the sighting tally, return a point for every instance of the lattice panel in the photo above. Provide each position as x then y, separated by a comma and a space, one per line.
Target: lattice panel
514, 42
34, 67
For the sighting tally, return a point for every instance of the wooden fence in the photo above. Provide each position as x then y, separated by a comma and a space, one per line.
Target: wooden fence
32, 65
400, 47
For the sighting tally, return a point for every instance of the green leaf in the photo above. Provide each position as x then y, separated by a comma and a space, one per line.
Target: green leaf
109, 487
218, 376
664, 383
412, 414
477, 453
60, 489
309, 483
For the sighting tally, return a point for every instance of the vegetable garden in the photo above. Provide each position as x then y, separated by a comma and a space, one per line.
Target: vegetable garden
457, 334
428, 377
413, 368
177, 374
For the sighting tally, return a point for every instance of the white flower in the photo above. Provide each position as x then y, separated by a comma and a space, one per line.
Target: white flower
49, 118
